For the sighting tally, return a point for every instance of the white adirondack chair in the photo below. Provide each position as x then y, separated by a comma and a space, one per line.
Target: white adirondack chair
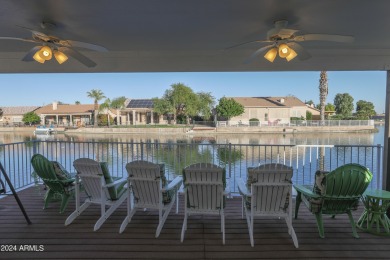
268, 192
204, 191
99, 188
150, 190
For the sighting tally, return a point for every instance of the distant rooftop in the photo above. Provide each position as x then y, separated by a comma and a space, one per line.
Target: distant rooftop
269, 101
20, 110
66, 109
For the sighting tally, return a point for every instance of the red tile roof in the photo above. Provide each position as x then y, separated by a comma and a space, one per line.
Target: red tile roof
66, 109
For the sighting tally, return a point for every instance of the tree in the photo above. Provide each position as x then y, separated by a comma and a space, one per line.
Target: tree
205, 103
118, 104
1, 112
183, 101
310, 102
343, 104
330, 107
77, 102
31, 118
96, 95
309, 115
105, 106
228, 107
364, 109
323, 93
162, 106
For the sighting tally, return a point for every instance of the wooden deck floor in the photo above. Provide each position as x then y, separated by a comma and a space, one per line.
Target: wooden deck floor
202, 241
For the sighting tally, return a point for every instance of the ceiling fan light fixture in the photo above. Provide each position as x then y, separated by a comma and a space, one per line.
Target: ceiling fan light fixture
292, 55
38, 58
60, 57
284, 50
45, 53
271, 54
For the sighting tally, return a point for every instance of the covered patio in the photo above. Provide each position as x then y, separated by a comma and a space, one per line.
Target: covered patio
202, 241
191, 36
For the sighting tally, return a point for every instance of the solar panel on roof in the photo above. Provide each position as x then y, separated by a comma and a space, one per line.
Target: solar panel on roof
140, 103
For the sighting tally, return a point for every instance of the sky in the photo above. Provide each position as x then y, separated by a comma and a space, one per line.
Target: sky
42, 89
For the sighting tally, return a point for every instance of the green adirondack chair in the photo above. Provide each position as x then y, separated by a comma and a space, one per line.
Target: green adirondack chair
58, 181
334, 193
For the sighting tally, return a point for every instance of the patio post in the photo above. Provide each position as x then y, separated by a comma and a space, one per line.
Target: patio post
386, 143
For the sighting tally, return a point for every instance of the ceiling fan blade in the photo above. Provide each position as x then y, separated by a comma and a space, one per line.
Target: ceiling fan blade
31, 53
78, 56
17, 39
324, 37
258, 52
302, 53
282, 33
258, 41
37, 34
85, 45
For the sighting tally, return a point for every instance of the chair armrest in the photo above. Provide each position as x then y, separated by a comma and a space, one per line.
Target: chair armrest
115, 183
306, 191
242, 188
175, 184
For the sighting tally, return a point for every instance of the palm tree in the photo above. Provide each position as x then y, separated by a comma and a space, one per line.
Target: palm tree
96, 95
323, 93
106, 106
118, 104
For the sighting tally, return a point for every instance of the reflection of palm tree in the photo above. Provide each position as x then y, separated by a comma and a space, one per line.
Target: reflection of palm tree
321, 159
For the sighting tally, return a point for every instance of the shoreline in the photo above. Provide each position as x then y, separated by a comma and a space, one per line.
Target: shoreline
204, 130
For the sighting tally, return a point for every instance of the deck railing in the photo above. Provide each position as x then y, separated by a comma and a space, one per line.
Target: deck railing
305, 159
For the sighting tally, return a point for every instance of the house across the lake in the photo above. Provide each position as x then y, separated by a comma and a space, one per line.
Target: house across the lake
273, 109
68, 115
12, 116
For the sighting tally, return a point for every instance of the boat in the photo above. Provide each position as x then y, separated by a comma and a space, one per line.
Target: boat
44, 130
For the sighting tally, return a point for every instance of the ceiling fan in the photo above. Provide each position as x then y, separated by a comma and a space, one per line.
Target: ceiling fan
49, 46
284, 42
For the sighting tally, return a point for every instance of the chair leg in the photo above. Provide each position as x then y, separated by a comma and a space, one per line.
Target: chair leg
77, 212
355, 234
64, 202
298, 201
320, 224
48, 196
108, 212
291, 231
184, 228
164, 218
242, 207
223, 226
249, 220
127, 220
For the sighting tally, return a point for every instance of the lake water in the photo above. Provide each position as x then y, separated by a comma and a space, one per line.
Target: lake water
261, 138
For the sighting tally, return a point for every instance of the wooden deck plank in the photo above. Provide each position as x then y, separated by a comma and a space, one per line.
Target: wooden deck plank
203, 239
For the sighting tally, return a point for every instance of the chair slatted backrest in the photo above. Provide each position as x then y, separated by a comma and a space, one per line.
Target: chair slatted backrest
91, 175
45, 170
146, 184
205, 184
345, 185
270, 187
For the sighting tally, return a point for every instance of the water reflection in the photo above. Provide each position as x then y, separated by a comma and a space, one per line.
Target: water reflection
255, 139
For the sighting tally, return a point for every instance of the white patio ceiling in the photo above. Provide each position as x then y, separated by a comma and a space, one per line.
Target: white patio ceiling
179, 35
